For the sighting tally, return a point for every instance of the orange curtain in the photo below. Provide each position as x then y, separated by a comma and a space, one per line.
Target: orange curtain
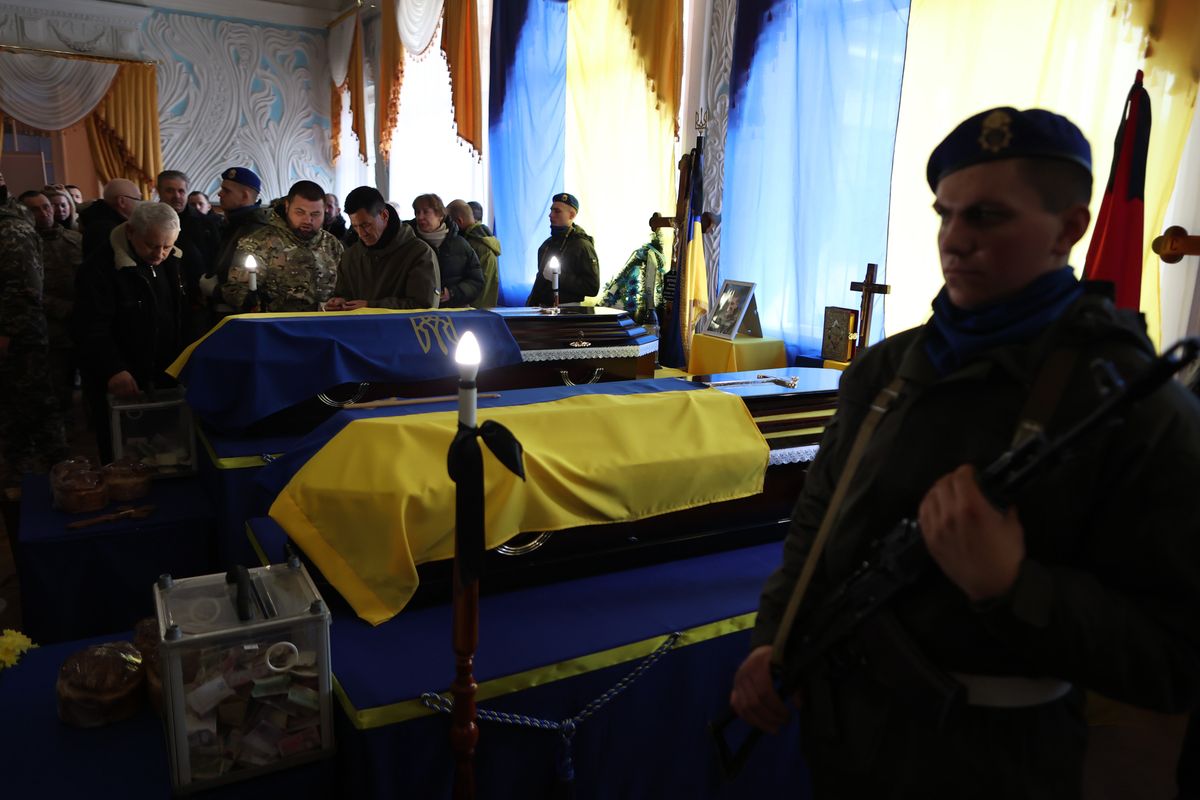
123, 129
391, 78
356, 85
460, 43
657, 30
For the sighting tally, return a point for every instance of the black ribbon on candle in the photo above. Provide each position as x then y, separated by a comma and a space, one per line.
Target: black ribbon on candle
465, 463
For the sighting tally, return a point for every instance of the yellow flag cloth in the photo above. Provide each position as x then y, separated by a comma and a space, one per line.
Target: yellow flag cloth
376, 500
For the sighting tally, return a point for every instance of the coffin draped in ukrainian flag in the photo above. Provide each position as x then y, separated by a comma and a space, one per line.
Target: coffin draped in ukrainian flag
367, 495
250, 366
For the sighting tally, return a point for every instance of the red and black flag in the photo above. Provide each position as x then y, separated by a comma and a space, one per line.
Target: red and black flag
1118, 245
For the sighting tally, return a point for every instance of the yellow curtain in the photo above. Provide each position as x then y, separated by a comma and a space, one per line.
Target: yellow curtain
1076, 57
123, 130
391, 77
657, 30
620, 148
354, 83
460, 43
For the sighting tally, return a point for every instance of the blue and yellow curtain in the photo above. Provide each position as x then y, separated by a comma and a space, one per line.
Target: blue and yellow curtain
835, 107
584, 98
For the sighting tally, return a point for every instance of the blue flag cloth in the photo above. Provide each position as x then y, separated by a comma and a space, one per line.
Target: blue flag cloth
257, 364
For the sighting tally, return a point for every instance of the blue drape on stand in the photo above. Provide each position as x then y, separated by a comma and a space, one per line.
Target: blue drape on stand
808, 159
528, 113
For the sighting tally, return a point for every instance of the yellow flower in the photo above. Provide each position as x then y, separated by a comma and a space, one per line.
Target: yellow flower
12, 645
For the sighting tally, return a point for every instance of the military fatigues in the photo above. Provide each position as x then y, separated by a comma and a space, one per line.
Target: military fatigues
293, 274
62, 253
1107, 598
31, 427
580, 269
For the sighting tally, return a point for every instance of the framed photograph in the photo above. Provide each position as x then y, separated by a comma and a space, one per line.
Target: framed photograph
734, 300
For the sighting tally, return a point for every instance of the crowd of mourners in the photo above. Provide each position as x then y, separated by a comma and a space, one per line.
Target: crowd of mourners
104, 294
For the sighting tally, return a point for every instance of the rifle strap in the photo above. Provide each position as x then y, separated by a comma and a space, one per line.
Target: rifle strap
1043, 398
879, 408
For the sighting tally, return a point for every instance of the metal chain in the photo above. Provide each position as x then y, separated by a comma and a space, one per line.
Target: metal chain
567, 728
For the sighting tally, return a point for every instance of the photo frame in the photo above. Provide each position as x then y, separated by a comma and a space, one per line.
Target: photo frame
736, 311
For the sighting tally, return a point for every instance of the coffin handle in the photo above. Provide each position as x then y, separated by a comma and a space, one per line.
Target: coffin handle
566, 378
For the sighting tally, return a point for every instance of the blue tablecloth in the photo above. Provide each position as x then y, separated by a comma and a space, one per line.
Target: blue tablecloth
77, 583
42, 757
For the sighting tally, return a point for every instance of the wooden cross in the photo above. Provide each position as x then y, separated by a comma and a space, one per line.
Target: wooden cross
869, 289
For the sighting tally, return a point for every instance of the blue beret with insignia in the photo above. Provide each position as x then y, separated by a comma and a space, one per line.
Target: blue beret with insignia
243, 176
568, 198
1001, 133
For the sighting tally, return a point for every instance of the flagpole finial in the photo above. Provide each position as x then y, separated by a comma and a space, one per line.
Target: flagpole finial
702, 118
1138, 79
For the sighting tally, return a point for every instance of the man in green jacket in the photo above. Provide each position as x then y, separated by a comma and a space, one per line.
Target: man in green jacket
389, 266
1088, 579
579, 275
485, 245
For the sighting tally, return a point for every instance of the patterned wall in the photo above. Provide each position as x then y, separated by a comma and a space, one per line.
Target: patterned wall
237, 93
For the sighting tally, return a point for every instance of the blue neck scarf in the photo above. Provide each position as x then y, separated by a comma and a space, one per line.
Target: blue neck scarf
956, 335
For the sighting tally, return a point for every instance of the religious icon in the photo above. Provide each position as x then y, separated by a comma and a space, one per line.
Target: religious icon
735, 297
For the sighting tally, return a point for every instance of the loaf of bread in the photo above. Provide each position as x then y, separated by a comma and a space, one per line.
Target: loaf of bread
77, 486
100, 684
127, 480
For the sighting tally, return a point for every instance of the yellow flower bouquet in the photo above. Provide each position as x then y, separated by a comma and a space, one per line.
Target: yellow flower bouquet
12, 645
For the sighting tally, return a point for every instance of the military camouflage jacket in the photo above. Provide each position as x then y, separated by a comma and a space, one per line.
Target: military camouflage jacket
293, 274
21, 277
62, 253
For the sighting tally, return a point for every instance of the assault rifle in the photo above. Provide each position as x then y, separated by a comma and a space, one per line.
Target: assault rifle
852, 625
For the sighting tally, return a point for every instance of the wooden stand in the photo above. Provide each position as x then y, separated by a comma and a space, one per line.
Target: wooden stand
464, 732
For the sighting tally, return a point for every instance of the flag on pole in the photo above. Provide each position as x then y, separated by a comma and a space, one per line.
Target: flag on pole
1118, 245
694, 292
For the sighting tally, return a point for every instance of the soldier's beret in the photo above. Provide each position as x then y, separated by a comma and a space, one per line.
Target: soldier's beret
1005, 132
243, 176
569, 199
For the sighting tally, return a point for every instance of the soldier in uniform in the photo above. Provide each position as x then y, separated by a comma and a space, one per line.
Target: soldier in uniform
31, 426
62, 253
580, 269
1088, 579
297, 260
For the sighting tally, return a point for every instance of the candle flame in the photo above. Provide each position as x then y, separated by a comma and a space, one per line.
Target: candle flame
553, 265
251, 263
467, 351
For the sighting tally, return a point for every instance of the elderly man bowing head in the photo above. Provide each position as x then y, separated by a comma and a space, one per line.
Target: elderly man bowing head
129, 312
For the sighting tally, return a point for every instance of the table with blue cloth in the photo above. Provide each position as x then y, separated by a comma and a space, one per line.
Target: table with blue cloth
43, 757
77, 583
546, 652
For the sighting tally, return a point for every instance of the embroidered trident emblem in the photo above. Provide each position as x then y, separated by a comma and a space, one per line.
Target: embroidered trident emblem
435, 328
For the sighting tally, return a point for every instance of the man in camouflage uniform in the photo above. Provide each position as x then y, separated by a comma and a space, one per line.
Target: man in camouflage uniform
31, 427
62, 253
296, 259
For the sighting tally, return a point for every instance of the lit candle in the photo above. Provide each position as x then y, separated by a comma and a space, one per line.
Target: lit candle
467, 356
252, 268
554, 269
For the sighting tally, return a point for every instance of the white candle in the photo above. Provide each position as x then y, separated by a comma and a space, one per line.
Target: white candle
252, 268
554, 270
467, 356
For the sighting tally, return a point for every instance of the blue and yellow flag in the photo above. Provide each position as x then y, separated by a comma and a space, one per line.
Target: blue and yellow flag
368, 498
252, 365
